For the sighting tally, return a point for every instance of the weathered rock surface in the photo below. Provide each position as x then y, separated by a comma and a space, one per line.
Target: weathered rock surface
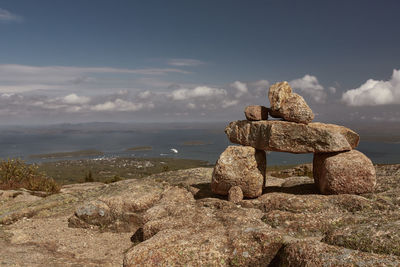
313, 253
278, 93
344, 173
287, 105
295, 109
188, 224
235, 194
118, 210
256, 113
209, 232
292, 137
240, 166
377, 236
36, 233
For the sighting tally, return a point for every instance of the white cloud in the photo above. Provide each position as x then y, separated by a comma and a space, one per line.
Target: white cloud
71, 103
374, 92
241, 88
7, 16
107, 106
75, 99
73, 109
197, 92
309, 85
229, 103
184, 62
332, 90
121, 105
6, 96
261, 86
86, 98
145, 94
191, 105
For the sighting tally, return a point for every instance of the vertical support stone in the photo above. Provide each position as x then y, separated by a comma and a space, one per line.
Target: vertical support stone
348, 172
241, 166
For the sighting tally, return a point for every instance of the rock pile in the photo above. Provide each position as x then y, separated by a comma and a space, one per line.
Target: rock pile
337, 167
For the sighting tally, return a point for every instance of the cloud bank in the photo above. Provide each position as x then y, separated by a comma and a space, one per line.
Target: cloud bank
94, 92
310, 86
106, 93
24, 78
374, 92
198, 92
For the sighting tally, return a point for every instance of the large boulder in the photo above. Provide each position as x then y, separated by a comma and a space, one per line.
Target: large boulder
240, 166
283, 136
256, 113
344, 173
287, 105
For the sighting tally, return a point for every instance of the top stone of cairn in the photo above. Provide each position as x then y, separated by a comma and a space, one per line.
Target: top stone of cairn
288, 105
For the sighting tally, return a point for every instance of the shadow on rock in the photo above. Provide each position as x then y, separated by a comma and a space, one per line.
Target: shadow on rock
203, 190
301, 189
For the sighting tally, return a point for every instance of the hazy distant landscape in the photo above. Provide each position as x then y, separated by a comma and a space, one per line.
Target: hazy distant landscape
194, 141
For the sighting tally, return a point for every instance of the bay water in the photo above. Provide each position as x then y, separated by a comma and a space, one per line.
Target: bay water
202, 144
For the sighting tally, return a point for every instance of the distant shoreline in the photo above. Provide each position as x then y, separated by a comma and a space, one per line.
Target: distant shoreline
70, 154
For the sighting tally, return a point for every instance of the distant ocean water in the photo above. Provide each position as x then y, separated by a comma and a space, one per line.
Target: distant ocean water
116, 143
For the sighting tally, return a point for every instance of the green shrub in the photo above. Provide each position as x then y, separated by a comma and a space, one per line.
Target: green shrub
89, 177
114, 179
165, 168
15, 174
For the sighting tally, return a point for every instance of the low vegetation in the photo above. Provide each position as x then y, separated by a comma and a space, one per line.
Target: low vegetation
15, 174
107, 170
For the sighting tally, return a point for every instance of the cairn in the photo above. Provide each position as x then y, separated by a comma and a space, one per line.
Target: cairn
337, 167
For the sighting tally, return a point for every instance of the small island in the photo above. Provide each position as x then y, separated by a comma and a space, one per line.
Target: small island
195, 143
140, 148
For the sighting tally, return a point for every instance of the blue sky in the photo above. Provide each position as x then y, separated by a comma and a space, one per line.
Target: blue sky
72, 61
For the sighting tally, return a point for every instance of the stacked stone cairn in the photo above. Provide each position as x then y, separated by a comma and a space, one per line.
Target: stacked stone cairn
240, 171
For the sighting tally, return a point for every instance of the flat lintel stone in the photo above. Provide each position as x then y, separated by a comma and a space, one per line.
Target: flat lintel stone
284, 136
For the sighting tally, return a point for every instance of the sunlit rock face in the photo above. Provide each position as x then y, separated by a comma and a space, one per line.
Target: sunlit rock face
283, 136
241, 166
287, 105
344, 173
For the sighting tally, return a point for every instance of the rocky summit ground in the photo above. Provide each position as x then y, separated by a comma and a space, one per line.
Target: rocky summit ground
173, 219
